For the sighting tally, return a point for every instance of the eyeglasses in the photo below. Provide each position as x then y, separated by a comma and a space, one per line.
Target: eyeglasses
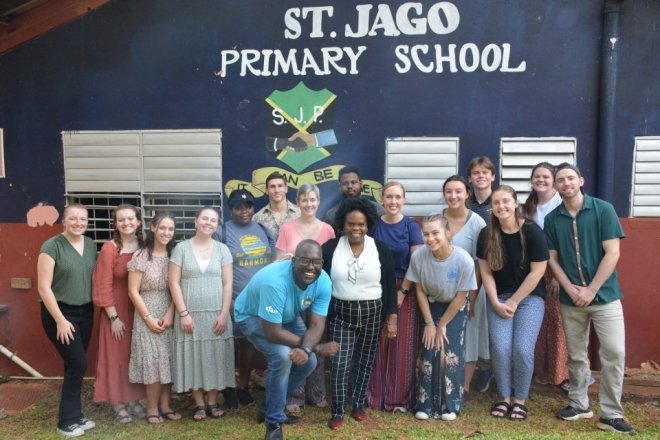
304, 261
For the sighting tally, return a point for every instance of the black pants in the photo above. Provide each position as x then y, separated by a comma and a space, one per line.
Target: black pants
74, 356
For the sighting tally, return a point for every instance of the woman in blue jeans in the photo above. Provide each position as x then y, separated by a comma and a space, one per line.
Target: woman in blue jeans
64, 271
512, 254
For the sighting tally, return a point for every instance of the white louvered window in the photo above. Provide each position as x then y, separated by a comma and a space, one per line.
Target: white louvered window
421, 164
173, 170
520, 154
645, 197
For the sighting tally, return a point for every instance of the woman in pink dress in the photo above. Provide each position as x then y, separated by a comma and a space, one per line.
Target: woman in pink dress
307, 226
110, 293
551, 354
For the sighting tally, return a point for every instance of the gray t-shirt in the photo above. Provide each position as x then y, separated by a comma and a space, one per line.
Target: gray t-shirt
251, 247
469, 234
441, 279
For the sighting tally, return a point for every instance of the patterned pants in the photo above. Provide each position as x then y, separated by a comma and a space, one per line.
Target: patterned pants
440, 384
355, 325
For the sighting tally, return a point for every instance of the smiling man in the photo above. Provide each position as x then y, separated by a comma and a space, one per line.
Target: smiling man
268, 314
279, 209
584, 235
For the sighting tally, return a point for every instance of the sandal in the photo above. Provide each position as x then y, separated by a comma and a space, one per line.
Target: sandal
500, 409
215, 411
158, 420
172, 416
122, 416
199, 414
136, 410
518, 412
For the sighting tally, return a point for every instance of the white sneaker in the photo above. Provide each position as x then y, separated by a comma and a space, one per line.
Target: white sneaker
421, 415
399, 409
86, 424
448, 417
73, 430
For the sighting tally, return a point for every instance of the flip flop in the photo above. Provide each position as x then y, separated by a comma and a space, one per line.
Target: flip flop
158, 419
171, 415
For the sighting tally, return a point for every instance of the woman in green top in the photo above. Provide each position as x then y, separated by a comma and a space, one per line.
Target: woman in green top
64, 271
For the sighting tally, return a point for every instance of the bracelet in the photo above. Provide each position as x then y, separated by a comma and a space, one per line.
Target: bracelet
146, 316
307, 350
181, 315
404, 291
114, 317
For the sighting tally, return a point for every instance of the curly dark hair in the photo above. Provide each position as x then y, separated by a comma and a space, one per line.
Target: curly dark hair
351, 204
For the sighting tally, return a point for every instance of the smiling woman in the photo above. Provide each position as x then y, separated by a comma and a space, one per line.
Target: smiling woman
64, 271
203, 355
513, 254
363, 298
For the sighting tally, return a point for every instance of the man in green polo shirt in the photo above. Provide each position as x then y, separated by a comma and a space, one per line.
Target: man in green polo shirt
583, 236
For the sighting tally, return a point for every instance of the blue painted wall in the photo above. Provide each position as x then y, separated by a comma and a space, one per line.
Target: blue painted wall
142, 64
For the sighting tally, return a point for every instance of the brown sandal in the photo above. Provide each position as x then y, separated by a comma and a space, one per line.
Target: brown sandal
158, 420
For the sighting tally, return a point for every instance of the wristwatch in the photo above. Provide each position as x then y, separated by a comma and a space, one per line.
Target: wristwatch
113, 318
404, 291
307, 350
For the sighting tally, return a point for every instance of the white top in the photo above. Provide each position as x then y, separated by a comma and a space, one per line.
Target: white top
543, 210
203, 263
356, 279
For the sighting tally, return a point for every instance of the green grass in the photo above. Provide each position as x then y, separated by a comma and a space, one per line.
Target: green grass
474, 421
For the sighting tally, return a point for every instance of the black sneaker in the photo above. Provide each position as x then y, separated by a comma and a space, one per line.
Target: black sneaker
274, 432
616, 425
570, 413
231, 401
244, 396
72, 430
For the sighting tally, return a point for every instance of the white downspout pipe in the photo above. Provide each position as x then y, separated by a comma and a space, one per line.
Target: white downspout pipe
20, 362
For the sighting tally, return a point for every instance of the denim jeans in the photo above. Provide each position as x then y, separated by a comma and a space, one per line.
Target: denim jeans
282, 376
512, 343
74, 356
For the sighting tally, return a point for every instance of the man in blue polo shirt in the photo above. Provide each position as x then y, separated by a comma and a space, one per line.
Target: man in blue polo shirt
583, 236
268, 313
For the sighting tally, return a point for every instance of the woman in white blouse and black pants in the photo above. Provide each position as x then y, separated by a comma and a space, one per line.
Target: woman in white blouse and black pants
363, 298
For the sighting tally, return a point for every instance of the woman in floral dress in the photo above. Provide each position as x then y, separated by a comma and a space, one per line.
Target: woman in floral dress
444, 274
151, 345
